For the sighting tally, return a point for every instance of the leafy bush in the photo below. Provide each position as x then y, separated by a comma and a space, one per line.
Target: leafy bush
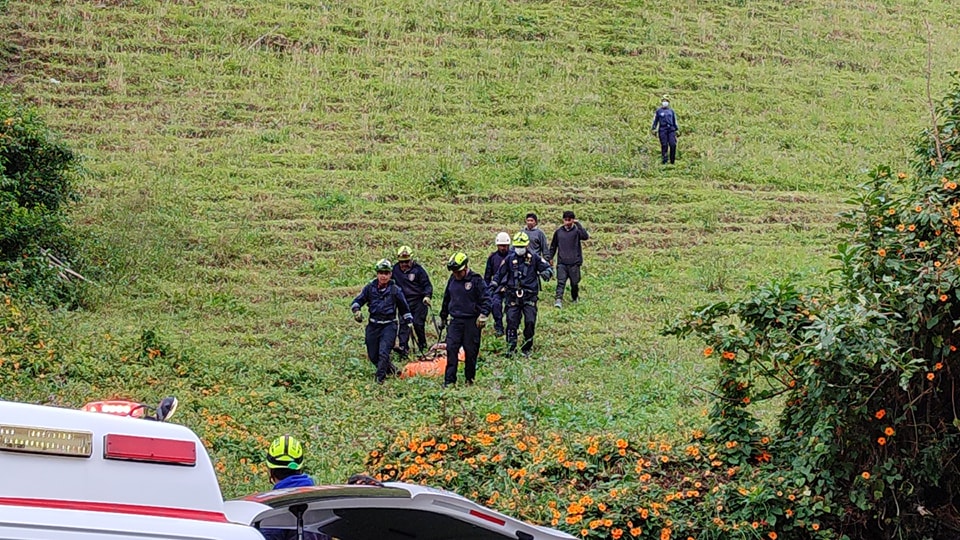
36, 187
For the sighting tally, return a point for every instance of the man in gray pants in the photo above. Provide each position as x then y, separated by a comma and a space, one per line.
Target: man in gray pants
566, 245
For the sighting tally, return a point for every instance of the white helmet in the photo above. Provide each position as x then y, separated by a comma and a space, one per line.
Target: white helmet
503, 239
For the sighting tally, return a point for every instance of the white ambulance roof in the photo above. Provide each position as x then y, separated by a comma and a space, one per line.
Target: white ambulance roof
92, 484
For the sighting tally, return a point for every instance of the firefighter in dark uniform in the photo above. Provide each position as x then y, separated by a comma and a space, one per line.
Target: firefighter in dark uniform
520, 276
467, 304
417, 289
384, 301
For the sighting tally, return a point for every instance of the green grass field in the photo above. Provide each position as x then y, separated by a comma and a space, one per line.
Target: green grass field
250, 160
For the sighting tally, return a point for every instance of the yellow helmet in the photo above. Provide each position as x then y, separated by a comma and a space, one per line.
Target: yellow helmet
285, 452
405, 253
521, 239
457, 262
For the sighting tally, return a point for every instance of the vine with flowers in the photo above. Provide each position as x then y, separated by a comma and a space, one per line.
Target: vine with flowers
866, 367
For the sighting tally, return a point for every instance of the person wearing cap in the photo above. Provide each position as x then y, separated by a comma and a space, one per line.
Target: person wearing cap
538, 238
285, 458
665, 127
494, 260
567, 247
520, 276
385, 303
417, 289
467, 304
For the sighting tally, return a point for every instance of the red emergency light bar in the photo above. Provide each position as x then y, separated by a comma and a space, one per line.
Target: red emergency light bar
116, 407
149, 449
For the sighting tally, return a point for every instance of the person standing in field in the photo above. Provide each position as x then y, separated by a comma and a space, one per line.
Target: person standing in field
467, 304
494, 260
538, 239
385, 302
566, 246
665, 127
417, 289
519, 276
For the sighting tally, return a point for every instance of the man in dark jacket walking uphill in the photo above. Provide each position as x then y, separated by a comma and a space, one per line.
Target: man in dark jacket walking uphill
467, 304
385, 302
566, 245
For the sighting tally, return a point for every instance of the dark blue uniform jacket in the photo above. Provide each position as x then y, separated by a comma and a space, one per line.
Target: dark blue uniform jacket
521, 273
415, 283
384, 303
466, 298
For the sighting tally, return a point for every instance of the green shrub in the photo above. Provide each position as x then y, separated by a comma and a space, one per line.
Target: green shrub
36, 187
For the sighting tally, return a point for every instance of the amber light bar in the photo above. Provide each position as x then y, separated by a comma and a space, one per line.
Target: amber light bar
39, 440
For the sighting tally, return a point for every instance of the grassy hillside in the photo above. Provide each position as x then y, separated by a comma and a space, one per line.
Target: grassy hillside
250, 161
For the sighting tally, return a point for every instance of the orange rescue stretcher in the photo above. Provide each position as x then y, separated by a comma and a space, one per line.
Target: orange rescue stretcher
432, 364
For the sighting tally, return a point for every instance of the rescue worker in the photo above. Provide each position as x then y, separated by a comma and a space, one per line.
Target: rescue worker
538, 238
384, 301
520, 276
417, 289
496, 295
467, 304
566, 245
665, 127
285, 462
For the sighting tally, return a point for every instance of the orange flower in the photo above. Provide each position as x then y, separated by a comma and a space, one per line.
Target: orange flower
788, 512
951, 185
922, 244
938, 365
943, 298
919, 208
815, 526
601, 507
665, 534
882, 252
912, 227
936, 264
728, 355
901, 227
592, 450
607, 522
493, 417
865, 475
635, 531
616, 533
584, 532
708, 351
901, 175
881, 441
880, 414
889, 432
621, 443
930, 376
772, 535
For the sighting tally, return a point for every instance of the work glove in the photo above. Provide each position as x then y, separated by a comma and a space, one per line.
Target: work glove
481, 321
442, 324
426, 302
546, 275
407, 319
357, 316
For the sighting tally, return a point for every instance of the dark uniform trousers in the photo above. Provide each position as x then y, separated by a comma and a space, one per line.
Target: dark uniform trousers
380, 338
419, 311
525, 307
571, 272
497, 311
668, 141
462, 333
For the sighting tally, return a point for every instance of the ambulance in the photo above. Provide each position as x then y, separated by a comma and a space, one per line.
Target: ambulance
77, 475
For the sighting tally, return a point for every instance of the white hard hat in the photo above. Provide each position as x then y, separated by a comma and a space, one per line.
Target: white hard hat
503, 239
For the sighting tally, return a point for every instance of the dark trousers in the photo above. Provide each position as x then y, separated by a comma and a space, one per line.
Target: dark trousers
571, 272
462, 333
497, 312
516, 308
668, 141
419, 311
379, 339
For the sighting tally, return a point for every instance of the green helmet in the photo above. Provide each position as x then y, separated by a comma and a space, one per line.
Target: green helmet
383, 265
285, 452
405, 253
521, 239
457, 262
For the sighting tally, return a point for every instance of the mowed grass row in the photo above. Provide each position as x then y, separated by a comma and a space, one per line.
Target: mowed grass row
251, 160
